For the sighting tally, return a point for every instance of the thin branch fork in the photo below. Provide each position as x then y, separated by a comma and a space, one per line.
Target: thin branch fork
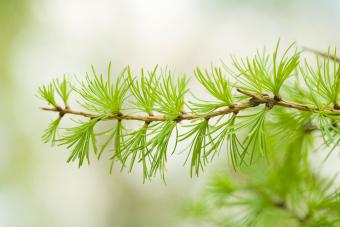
323, 54
234, 108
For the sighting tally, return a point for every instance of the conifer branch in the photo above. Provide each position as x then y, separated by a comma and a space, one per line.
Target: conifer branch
233, 108
265, 80
150, 118
288, 104
255, 104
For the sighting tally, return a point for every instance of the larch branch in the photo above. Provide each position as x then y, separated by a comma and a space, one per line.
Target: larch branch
256, 99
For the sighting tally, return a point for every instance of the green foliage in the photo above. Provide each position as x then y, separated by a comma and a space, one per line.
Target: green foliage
118, 143
217, 85
135, 150
102, 96
198, 147
226, 131
250, 198
324, 81
161, 97
144, 91
255, 143
114, 134
80, 139
268, 138
63, 89
283, 69
51, 131
161, 134
46, 92
169, 95
284, 192
263, 73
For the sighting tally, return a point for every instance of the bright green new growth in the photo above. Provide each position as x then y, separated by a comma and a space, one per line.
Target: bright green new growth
255, 142
169, 94
216, 83
264, 73
63, 90
144, 96
103, 96
46, 92
265, 113
80, 138
324, 81
157, 92
51, 131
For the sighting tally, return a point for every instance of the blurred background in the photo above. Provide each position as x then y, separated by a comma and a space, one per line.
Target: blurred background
42, 40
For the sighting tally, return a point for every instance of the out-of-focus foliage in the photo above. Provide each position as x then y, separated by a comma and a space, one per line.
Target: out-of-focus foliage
279, 194
283, 192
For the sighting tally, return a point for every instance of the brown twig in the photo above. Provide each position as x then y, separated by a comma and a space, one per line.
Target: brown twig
255, 100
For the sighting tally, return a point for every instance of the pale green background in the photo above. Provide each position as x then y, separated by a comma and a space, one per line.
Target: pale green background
41, 40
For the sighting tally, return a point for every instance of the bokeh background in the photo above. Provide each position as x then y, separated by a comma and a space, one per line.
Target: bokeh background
41, 40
